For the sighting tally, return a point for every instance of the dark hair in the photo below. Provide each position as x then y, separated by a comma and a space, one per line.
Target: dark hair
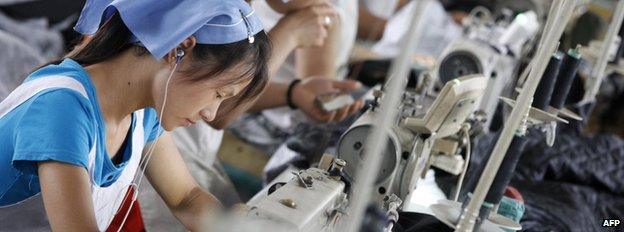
112, 39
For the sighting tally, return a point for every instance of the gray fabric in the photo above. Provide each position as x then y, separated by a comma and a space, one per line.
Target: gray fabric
25, 45
17, 60
28, 215
36, 33
259, 130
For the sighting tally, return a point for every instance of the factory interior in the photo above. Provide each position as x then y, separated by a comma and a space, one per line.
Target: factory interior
312, 115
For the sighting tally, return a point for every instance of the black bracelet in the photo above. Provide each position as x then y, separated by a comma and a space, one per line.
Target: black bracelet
291, 86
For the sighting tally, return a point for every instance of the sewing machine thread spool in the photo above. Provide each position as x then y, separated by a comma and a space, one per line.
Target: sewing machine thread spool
547, 84
571, 63
506, 170
503, 176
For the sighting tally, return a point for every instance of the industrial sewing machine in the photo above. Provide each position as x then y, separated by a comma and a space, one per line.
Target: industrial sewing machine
423, 135
412, 140
315, 199
427, 133
492, 48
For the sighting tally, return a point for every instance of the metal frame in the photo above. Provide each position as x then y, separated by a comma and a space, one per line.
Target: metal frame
560, 13
598, 72
363, 188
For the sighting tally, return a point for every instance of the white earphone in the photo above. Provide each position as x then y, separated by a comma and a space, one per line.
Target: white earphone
179, 55
145, 160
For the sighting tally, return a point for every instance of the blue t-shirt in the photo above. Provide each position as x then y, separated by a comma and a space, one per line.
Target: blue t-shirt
59, 125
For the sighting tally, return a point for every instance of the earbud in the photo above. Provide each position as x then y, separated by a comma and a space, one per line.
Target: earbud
179, 55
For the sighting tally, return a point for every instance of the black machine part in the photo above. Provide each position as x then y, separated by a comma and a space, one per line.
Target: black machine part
569, 68
547, 83
374, 72
458, 64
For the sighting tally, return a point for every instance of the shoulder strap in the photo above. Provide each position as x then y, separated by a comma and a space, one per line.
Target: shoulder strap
29, 89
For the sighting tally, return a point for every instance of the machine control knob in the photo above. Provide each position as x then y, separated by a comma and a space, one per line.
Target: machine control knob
336, 169
290, 203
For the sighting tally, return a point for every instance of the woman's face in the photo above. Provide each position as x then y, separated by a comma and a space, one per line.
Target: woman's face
189, 102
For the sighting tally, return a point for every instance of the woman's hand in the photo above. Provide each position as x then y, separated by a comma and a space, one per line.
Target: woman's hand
305, 93
195, 208
309, 27
303, 96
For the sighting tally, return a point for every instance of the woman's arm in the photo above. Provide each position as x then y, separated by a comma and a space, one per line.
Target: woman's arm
273, 96
170, 177
300, 29
283, 43
320, 61
304, 95
66, 192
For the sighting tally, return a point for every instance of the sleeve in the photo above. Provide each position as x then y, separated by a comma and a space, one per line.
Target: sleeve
151, 125
56, 126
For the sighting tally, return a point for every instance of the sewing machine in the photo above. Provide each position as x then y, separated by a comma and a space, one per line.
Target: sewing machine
493, 49
315, 199
411, 142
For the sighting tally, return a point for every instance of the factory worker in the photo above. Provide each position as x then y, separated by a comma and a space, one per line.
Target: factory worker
199, 143
75, 133
306, 26
299, 29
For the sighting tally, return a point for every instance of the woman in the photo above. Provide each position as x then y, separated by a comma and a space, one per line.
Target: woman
198, 144
73, 135
302, 67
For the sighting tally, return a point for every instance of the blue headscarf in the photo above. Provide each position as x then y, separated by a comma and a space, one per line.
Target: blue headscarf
91, 16
161, 25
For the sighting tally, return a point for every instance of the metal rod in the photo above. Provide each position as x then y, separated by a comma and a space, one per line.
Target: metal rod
551, 23
554, 7
598, 72
545, 50
387, 113
466, 130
